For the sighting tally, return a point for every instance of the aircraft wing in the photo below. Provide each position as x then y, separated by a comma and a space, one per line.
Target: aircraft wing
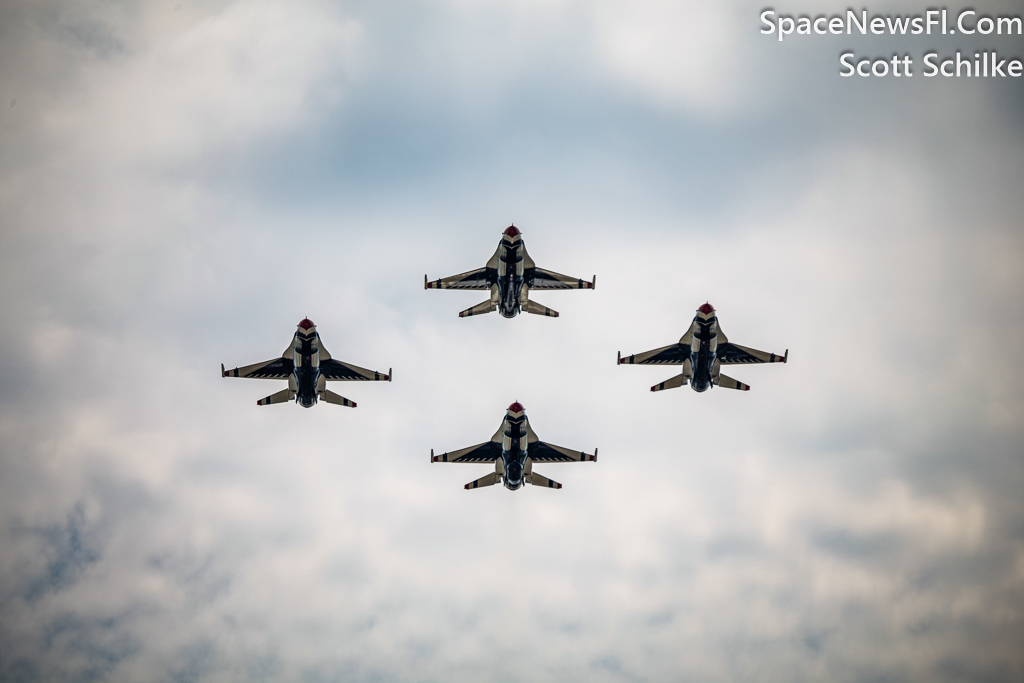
484, 452
335, 370
546, 279
673, 354
276, 368
734, 354
482, 278
539, 451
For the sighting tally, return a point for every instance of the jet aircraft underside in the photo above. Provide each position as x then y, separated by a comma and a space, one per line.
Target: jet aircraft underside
307, 366
509, 276
513, 450
702, 351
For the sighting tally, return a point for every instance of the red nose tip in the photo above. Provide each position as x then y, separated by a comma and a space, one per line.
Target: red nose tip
516, 407
512, 231
306, 323
706, 308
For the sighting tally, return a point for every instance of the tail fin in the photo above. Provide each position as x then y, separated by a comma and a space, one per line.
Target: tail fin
481, 308
539, 480
486, 480
538, 309
282, 396
673, 383
730, 383
331, 397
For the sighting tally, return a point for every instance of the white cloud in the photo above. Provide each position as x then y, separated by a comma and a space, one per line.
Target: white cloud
685, 54
229, 80
853, 516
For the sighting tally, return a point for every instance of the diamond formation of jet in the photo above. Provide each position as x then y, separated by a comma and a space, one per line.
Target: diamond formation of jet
513, 450
307, 366
509, 275
702, 351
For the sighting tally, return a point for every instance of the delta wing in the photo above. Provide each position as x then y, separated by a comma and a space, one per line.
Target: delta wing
484, 452
734, 354
673, 354
546, 279
276, 368
336, 371
539, 451
481, 278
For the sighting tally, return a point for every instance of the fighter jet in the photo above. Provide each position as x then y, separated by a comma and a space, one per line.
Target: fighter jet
509, 275
702, 351
308, 367
514, 449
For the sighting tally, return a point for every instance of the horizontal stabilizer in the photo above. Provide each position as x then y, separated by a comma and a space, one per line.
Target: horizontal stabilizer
730, 383
283, 396
331, 397
673, 383
486, 480
538, 309
481, 308
539, 480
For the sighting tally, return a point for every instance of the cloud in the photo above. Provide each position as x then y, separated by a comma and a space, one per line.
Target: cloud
190, 92
856, 515
70, 553
685, 54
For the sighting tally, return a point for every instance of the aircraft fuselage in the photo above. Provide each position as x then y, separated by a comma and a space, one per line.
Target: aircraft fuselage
514, 452
510, 281
306, 359
703, 351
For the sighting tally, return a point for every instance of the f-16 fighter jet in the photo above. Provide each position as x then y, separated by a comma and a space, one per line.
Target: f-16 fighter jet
702, 351
514, 449
509, 275
308, 367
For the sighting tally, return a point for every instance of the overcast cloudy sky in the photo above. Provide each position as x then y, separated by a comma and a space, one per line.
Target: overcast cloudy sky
182, 182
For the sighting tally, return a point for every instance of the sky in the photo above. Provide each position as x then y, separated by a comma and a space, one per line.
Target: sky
182, 182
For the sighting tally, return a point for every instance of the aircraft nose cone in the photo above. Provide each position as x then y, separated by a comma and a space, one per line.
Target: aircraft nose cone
516, 407
706, 308
306, 323
512, 231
